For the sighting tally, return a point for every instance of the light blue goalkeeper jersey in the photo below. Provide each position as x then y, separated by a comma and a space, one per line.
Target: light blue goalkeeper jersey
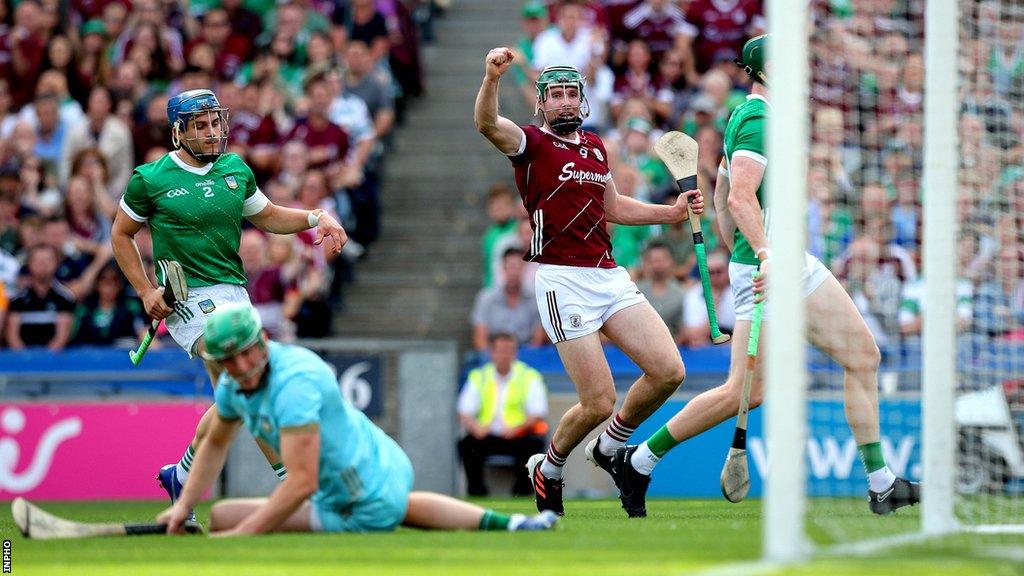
303, 394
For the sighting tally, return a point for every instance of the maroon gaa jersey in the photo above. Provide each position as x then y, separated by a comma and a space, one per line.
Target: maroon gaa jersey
562, 186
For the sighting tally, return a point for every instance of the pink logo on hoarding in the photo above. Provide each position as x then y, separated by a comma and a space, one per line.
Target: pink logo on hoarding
84, 451
12, 421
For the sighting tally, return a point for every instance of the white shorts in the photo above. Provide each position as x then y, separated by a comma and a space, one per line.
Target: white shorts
575, 301
741, 278
186, 322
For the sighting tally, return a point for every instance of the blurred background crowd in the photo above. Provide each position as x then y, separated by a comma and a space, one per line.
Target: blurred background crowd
314, 87
659, 65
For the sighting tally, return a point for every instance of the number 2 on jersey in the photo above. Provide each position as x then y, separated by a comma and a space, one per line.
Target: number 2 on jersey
207, 192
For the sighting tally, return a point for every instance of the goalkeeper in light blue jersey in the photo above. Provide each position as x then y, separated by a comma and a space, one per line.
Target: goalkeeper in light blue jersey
344, 473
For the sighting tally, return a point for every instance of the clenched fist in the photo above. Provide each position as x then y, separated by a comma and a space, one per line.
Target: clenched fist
498, 61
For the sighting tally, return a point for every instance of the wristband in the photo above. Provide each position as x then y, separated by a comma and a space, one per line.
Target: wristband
313, 218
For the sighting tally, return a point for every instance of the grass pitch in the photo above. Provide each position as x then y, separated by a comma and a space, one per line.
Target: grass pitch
595, 539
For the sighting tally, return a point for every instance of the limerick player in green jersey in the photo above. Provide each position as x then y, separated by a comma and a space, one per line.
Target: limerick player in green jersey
739, 197
345, 474
194, 199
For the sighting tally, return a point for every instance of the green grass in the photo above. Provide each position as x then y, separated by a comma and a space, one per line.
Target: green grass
595, 539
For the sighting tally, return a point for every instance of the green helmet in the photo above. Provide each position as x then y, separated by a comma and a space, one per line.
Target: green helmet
230, 329
563, 76
754, 58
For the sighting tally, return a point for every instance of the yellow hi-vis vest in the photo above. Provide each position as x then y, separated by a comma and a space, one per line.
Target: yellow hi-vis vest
485, 381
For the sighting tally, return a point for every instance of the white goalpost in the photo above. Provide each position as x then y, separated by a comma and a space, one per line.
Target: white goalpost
942, 152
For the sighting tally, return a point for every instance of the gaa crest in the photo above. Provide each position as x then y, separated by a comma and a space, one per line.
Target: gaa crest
207, 306
231, 182
575, 321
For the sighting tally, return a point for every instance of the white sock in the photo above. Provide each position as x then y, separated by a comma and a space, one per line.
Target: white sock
880, 480
614, 436
181, 473
550, 470
643, 460
607, 445
515, 521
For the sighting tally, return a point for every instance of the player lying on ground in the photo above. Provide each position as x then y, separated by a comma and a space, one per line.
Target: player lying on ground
839, 331
194, 199
344, 473
563, 178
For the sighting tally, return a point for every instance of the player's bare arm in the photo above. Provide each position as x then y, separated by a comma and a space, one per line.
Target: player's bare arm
209, 461
126, 252
726, 223
300, 450
281, 220
625, 210
745, 176
502, 132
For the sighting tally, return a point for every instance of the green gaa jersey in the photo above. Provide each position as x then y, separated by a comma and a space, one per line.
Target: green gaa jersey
195, 214
744, 136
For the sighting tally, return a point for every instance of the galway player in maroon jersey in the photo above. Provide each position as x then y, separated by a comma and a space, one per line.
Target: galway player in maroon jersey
563, 177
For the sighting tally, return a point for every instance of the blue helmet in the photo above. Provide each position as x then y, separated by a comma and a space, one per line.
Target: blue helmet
183, 107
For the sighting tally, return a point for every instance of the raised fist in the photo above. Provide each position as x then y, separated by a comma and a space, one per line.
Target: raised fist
498, 61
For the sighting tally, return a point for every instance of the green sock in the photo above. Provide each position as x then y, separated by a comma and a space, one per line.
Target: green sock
280, 470
661, 442
492, 520
871, 456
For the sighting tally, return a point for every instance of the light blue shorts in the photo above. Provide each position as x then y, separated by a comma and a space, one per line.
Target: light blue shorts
381, 511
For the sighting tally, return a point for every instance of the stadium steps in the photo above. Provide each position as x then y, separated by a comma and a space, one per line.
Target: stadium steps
421, 277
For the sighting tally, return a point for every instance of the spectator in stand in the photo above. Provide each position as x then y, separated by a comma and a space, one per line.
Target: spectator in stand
509, 308
101, 130
912, 303
53, 83
328, 144
660, 287
999, 300
502, 208
534, 21
670, 100
266, 285
569, 42
719, 29
81, 261
628, 241
90, 165
371, 84
876, 268
89, 226
696, 331
502, 407
108, 316
22, 51
92, 64
636, 80
152, 131
365, 23
256, 118
231, 49
40, 314
50, 134
662, 25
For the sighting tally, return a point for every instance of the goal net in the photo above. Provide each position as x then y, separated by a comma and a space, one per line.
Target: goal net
914, 198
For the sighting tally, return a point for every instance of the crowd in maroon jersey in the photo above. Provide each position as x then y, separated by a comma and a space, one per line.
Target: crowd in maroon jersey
313, 86
659, 65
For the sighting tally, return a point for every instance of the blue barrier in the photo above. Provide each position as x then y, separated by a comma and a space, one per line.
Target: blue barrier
833, 465
76, 370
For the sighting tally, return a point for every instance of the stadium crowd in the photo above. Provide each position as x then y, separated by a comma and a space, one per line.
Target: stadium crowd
659, 65
314, 88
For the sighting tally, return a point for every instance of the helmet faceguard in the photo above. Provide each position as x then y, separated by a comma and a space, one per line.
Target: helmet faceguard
566, 77
754, 59
197, 105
